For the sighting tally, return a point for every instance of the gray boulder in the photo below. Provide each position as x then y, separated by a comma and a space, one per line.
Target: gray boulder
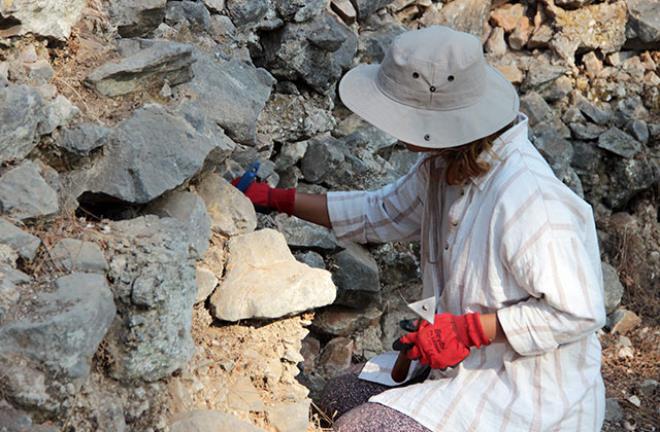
153, 280
58, 112
52, 345
50, 18
83, 138
613, 287
21, 112
264, 280
374, 44
300, 10
148, 68
79, 256
620, 143
24, 194
311, 258
628, 178
189, 209
644, 21
152, 152
136, 17
24, 244
357, 278
600, 114
316, 52
367, 7
215, 6
231, 93
300, 233
323, 156
535, 107
541, 73
191, 13
247, 12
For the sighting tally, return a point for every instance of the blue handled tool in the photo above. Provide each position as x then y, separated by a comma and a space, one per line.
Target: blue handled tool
249, 177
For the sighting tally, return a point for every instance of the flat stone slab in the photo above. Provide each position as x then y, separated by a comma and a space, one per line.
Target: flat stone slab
24, 194
24, 243
264, 280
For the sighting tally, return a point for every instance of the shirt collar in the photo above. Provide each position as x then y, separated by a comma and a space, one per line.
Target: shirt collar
503, 146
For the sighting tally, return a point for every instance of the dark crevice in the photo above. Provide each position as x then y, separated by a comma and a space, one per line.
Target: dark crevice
97, 206
8, 22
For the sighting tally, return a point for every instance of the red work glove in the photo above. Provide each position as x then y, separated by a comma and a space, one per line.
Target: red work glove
447, 341
262, 195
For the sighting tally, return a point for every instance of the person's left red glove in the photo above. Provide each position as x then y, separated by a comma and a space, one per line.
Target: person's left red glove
262, 195
447, 341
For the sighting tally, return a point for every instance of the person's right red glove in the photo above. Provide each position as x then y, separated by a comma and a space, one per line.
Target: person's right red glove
447, 341
262, 195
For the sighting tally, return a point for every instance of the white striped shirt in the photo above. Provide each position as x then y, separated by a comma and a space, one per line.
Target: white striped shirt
515, 241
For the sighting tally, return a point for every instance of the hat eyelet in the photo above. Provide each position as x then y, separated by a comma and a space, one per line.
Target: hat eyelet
415, 75
427, 137
432, 89
450, 78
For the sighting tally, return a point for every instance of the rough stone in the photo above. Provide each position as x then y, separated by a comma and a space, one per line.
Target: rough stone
79, 256
600, 26
136, 17
373, 44
300, 233
535, 107
289, 417
624, 320
153, 274
260, 264
21, 112
541, 72
191, 13
206, 283
158, 63
56, 349
356, 276
58, 112
230, 211
343, 321
210, 421
620, 143
316, 52
628, 178
600, 114
468, 16
613, 411
323, 157
152, 152
512, 73
365, 8
555, 149
644, 20
243, 89
24, 194
613, 288
290, 154
508, 16
496, 45
246, 12
312, 259
24, 244
345, 9
216, 6
243, 396
639, 130
541, 37
13, 420
588, 131
190, 210
50, 18
336, 356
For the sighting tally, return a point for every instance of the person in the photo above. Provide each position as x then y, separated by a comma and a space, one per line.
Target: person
509, 253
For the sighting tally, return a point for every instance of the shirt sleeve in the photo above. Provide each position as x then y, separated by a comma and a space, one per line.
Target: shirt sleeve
392, 213
561, 271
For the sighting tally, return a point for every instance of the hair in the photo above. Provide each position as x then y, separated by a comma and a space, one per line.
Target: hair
462, 162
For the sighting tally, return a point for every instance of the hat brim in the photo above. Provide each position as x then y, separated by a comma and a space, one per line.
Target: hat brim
430, 128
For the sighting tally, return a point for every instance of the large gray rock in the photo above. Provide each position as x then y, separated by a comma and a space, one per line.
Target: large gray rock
51, 345
136, 17
51, 18
644, 20
323, 157
79, 256
84, 138
149, 68
24, 194
264, 280
620, 143
613, 288
230, 93
21, 112
316, 52
357, 277
300, 10
58, 112
246, 12
628, 178
153, 274
24, 244
194, 14
210, 421
189, 209
13, 420
230, 211
374, 44
464, 15
300, 233
367, 7
152, 152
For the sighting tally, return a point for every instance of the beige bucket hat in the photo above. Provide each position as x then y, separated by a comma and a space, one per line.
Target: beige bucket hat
433, 89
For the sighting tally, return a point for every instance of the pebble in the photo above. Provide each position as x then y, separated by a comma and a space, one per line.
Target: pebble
635, 401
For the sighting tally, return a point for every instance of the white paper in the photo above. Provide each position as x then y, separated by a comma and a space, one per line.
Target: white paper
379, 369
